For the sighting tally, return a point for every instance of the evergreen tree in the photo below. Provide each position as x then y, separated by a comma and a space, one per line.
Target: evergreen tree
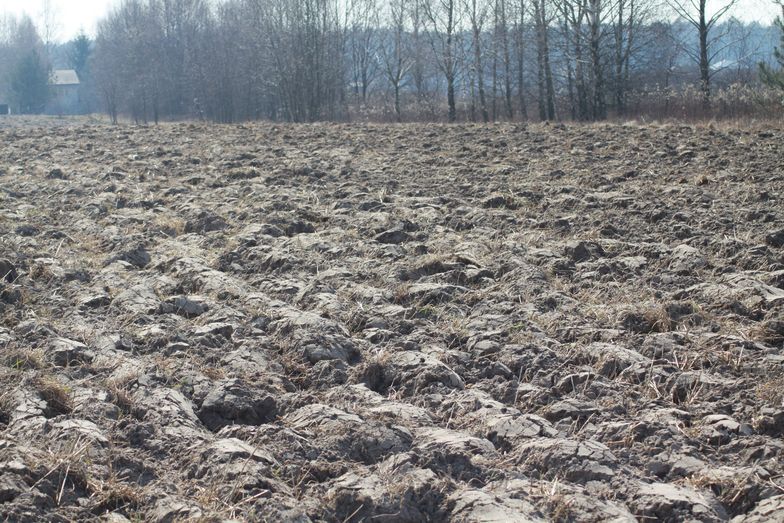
79, 54
769, 76
30, 83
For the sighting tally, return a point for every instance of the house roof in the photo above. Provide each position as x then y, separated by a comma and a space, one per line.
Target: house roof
65, 77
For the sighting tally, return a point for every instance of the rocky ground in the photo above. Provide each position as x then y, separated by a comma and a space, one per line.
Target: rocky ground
391, 323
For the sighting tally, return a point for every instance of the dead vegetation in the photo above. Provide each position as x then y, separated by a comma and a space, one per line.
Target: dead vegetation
440, 329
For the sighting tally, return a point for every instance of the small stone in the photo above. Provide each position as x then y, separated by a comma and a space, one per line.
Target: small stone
450, 441
115, 517
771, 421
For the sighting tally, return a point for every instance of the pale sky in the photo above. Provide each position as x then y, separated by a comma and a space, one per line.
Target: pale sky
70, 16
74, 15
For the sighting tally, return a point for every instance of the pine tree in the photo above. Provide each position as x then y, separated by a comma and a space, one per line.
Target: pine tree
769, 76
30, 83
79, 54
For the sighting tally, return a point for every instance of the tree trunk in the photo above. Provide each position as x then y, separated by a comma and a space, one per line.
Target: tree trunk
507, 62
540, 82
449, 62
548, 72
520, 44
704, 65
619, 51
397, 102
599, 104
480, 72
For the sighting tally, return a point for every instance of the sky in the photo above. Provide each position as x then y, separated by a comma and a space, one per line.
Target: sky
71, 16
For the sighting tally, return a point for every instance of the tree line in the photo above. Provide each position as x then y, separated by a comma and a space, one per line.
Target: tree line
479, 60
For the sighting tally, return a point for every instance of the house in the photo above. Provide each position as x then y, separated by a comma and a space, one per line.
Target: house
64, 97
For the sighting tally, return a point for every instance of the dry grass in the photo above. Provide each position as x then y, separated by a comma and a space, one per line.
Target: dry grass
401, 292
772, 391
58, 396
214, 373
550, 318
120, 394
171, 226
731, 490
21, 359
115, 493
41, 272
6, 407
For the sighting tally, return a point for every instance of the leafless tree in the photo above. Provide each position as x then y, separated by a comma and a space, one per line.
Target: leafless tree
597, 13
502, 40
443, 17
476, 12
704, 20
300, 60
520, 50
573, 14
627, 26
395, 49
363, 43
49, 23
542, 21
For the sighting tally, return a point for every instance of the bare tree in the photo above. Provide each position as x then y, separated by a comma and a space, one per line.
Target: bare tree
395, 50
363, 44
596, 18
307, 42
300, 60
545, 78
698, 15
443, 17
573, 15
629, 19
520, 49
49, 23
477, 14
502, 8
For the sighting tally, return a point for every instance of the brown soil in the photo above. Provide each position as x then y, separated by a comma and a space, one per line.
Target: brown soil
391, 323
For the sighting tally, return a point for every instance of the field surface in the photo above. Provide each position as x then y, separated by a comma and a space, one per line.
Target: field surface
391, 323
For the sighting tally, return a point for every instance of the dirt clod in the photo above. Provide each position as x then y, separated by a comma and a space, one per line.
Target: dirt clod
375, 323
